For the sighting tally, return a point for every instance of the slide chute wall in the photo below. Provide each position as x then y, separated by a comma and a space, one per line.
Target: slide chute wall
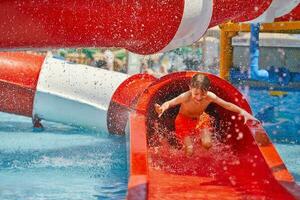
259, 172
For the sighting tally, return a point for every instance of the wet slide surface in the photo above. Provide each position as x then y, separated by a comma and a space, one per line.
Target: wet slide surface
210, 174
242, 164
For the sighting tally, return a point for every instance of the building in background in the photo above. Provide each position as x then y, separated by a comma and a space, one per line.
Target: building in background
279, 50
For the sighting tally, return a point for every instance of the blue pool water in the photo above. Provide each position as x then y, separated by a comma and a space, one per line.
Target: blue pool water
61, 162
281, 120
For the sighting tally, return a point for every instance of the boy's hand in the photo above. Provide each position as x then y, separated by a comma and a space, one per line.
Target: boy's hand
159, 109
247, 116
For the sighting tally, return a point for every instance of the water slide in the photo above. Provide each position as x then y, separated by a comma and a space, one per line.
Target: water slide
46, 88
144, 26
242, 164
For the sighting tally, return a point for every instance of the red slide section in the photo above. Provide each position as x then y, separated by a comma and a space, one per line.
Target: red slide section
72, 23
242, 164
294, 15
237, 11
18, 80
144, 26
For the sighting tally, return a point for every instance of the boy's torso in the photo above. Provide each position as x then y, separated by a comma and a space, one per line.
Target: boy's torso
193, 109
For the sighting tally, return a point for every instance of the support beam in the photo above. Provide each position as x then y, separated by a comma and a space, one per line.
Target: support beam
226, 52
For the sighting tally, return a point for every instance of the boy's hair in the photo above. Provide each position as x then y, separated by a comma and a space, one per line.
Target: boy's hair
200, 81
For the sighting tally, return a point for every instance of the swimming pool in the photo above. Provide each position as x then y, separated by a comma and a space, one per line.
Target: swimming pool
62, 162
282, 123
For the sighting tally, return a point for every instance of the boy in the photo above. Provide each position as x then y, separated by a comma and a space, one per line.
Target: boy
191, 118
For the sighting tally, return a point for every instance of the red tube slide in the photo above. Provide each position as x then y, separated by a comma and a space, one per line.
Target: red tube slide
242, 164
144, 26
38, 87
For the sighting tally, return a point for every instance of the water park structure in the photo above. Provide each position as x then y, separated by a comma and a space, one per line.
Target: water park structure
230, 30
46, 88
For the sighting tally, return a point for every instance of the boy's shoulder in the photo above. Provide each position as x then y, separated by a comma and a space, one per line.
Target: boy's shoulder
186, 95
212, 96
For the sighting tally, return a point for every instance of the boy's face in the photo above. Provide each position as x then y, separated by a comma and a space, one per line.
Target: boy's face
198, 94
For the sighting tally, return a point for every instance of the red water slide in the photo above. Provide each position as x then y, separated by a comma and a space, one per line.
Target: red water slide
242, 164
144, 26
46, 88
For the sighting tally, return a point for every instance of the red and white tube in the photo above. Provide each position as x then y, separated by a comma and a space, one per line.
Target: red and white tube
294, 15
54, 90
277, 9
143, 27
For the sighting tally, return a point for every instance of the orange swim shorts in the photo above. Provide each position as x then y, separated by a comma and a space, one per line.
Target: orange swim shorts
186, 126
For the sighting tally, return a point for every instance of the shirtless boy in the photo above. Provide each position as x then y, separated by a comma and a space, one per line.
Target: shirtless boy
191, 119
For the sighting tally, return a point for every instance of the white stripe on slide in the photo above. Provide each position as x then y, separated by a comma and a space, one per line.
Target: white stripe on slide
75, 94
195, 21
277, 9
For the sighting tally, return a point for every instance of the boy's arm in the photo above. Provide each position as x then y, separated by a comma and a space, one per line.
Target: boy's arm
168, 104
231, 107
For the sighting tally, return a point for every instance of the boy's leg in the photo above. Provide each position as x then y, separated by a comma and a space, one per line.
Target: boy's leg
188, 145
206, 138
